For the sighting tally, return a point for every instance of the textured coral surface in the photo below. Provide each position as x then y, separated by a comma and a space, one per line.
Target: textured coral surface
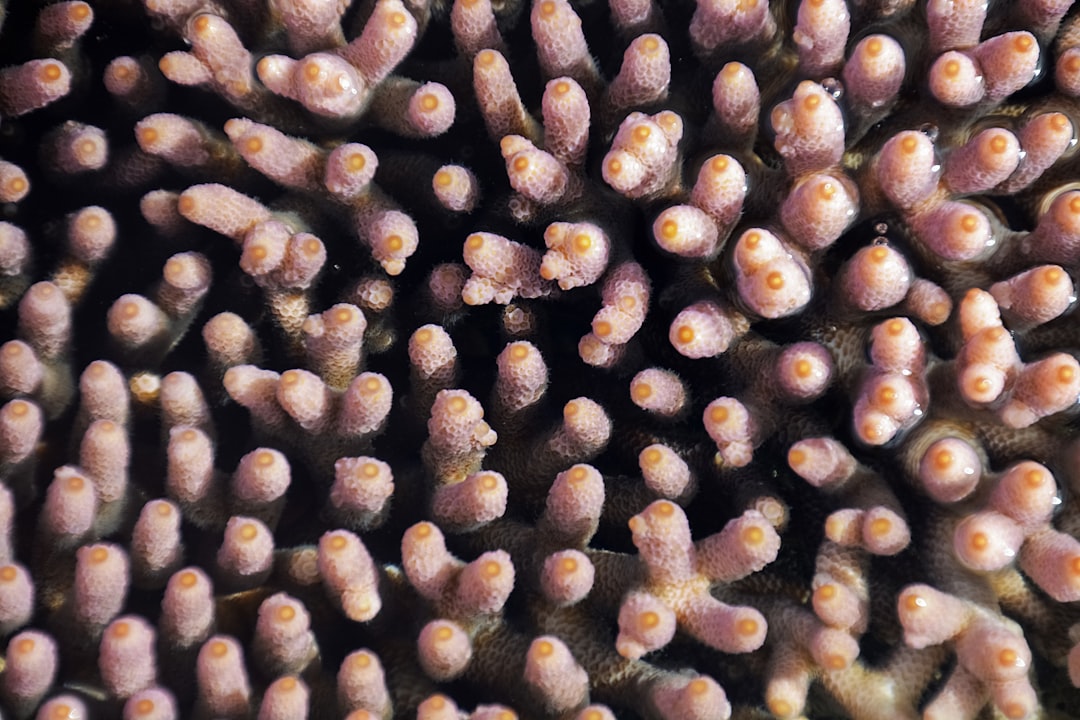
573, 360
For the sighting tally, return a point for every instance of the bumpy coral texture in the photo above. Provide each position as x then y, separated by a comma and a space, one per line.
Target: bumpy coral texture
549, 359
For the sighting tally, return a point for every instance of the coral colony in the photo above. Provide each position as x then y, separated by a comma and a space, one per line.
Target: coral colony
568, 361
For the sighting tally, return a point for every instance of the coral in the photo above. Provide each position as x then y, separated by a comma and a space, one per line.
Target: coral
451, 359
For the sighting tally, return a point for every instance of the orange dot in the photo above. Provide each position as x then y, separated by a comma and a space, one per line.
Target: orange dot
287, 684
1015, 710
747, 627
188, 579
879, 253
519, 351
651, 44
544, 648
62, 711
397, 19
998, 144
521, 163
909, 144
369, 469
458, 404
99, 555
952, 68
355, 162
394, 243
780, 707
568, 565
943, 459
202, 24
8, 573
148, 135
429, 102
665, 509
874, 46
796, 457
669, 229
1058, 121
121, 629
803, 368
547, 8
652, 457
969, 222
286, 613
648, 619
253, 144
1023, 43
219, 648
698, 686
825, 592
614, 166
810, 102
602, 328
685, 334
362, 659
312, 71
1052, 275
144, 706
887, 395
1074, 565
424, 529
371, 385
836, 662
979, 541
871, 431
79, 11
486, 57
642, 390
982, 385
914, 602
1065, 374
826, 191
570, 409
880, 526
25, 646
338, 542
775, 280
248, 531
443, 178
1074, 204
164, 509
719, 414
641, 133
753, 535
719, 164
51, 72
436, 702
492, 569
752, 239
17, 185
475, 241
1007, 657
19, 408
489, 482
561, 88
1034, 477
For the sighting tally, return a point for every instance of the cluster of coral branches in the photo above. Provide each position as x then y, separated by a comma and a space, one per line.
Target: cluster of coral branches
556, 361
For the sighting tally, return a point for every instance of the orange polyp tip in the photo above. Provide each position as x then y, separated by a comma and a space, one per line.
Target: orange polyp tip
1065, 374
1007, 657
17, 185
836, 662
778, 706
51, 72
1072, 64
248, 531
201, 24
1023, 43
129, 309
775, 280
753, 535
811, 101
796, 457
290, 377
909, 144
148, 135
544, 648
429, 102
895, 327
997, 334
99, 555
652, 456
825, 592
344, 315
443, 178
492, 569
914, 602
1052, 275
642, 391
337, 542
394, 243
746, 626
665, 509
8, 573
651, 44
488, 482
219, 648
969, 222
752, 239
19, 408
369, 470
1058, 121
397, 19
424, 529
570, 409
1015, 710
61, 712
614, 166
144, 706
943, 459
685, 334
423, 336
188, 579
121, 629
719, 164
952, 68
568, 565
582, 242
979, 541
253, 144
519, 351
87, 147
803, 368
879, 253
719, 414
561, 88
826, 190
547, 8
372, 384
641, 133
1074, 565
521, 163
79, 11
312, 71
264, 458
698, 686
486, 57
602, 328
874, 46
880, 526
507, 715
475, 241
355, 162
259, 252
998, 144
1034, 477
648, 619
286, 613
870, 431
287, 683
164, 509
186, 204
25, 646
887, 395
669, 229
1074, 204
